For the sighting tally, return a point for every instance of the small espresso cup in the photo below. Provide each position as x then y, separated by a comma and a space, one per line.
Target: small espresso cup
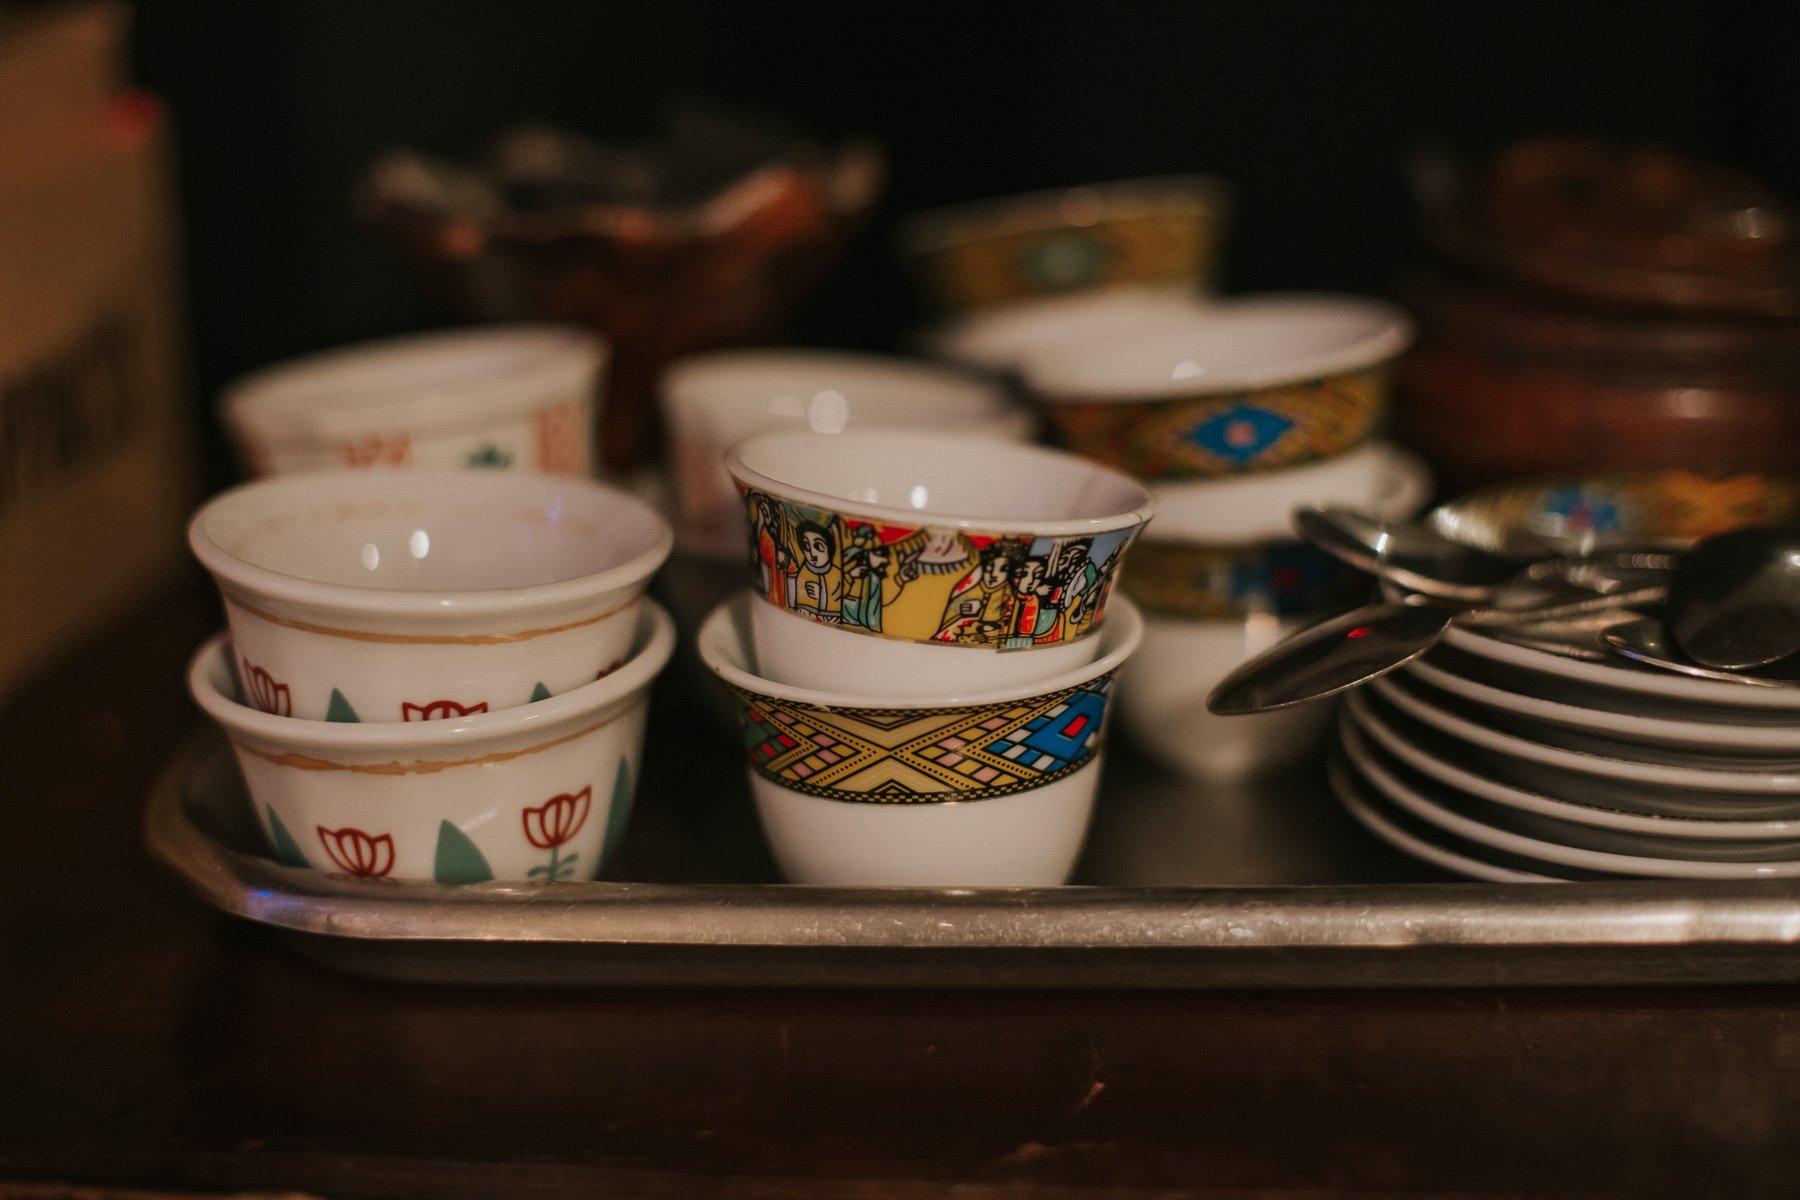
538, 792
964, 557
1244, 385
712, 401
395, 596
501, 396
858, 788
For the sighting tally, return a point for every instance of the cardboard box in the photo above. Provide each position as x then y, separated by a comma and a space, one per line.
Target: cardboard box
96, 456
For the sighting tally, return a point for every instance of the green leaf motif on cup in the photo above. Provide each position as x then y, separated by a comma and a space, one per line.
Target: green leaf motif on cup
458, 859
619, 815
287, 851
339, 709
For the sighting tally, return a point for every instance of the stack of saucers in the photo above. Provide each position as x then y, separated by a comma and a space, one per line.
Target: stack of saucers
1539, 754
923, 659
1496, 759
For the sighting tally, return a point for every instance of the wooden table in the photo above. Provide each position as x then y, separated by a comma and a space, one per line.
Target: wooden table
148, 1042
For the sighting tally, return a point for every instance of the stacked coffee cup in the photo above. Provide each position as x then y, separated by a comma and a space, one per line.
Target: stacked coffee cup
434, 675
924, 655
1235, 412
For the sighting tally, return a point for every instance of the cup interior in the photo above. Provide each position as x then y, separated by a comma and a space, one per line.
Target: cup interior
431, 532
949, 479
735, 393
1256, 342
1004, 338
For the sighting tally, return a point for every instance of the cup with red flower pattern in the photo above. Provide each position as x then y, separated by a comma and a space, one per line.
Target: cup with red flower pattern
407, 596
518, 397
538, 792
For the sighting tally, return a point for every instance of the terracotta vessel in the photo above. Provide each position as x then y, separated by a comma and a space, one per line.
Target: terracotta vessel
1593, 306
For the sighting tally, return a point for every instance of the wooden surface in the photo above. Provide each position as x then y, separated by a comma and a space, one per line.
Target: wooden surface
149, 1043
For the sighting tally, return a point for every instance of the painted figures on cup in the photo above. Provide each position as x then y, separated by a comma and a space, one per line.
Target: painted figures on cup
929, 585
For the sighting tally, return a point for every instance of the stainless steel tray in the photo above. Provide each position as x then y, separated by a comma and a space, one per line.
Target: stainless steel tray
1184, 885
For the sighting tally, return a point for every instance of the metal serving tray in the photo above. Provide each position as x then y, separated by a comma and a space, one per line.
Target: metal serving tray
1184, 884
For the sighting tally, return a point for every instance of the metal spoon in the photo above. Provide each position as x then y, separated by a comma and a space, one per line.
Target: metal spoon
1368, 642
1413, 556
1422, 560
1643, 641
1734, 599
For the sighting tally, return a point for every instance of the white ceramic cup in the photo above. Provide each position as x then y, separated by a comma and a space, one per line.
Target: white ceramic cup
506, 396
965, 564
712, 401
394, 596
1377, 477
1255, 383
986, 790
1164, 688
538, 792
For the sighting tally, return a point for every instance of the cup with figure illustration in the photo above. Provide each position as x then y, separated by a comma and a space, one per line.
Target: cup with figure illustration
915, 563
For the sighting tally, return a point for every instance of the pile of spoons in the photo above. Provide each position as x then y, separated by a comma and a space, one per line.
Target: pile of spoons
1430, 582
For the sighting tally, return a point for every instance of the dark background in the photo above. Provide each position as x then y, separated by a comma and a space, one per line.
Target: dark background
1311, 108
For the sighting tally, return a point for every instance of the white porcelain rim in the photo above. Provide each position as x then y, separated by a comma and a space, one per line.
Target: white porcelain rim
756, 480
424, 606
1122, 625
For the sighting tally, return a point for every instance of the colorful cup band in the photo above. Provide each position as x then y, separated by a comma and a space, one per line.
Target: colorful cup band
1175, 246
924, 755
1286, 579
1202, 436
1678, 505
930, 585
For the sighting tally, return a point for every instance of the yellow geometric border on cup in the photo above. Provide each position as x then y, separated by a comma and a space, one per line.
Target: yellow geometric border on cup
924, 755
1191, 437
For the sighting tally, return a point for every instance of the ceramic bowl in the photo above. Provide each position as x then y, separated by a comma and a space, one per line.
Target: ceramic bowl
932, 543
1013, 248
710, 402
1000, 340
1245, 385
537, 792
393, 596
506, 396
1584, 512
986, 790
1208, 607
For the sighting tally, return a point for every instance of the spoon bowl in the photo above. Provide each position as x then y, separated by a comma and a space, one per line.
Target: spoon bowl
1645, 641
1734, 599
1413, 556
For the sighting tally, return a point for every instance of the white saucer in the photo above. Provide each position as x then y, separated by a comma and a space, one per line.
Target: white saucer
1553, 855
1707, 737
1775, 783
1625, 676
1351, 792
1366, 719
